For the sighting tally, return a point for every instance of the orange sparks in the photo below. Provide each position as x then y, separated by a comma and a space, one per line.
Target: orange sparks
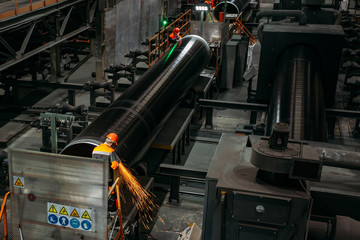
141, 198
161, 220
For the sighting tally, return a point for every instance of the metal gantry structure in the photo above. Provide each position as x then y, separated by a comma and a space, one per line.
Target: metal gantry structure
30, 30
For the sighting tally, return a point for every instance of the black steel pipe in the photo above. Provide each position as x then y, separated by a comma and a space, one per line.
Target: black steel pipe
233, 105
297, 97
339, 158
141, 111
342, 113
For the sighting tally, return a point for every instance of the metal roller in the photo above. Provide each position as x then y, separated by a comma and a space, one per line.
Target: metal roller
140, 112
232, 7
297, 97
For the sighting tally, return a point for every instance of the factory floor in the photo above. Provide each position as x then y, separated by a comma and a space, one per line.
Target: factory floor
171, 219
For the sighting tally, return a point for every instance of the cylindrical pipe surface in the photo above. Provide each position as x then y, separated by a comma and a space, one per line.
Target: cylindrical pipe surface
232, 7
297, 97
140, 112
338, 158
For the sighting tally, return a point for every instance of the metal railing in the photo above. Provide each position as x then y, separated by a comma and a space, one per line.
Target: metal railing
118, 217
239, 29
26, 6
3, 216
158, 44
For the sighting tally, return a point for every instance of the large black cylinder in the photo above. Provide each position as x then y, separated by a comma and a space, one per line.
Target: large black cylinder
141, 111
297, 97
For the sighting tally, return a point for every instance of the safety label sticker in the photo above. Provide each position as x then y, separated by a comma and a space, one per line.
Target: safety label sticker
70, 217
19, 181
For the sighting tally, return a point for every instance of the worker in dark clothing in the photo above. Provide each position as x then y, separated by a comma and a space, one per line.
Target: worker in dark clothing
106, 152
174, 36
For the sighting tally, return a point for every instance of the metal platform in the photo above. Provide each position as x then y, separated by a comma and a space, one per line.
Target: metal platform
175, 130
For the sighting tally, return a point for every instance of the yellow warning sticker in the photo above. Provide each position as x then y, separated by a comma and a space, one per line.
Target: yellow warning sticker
63, 211
52, 209
86, 215
19, 183
74, 213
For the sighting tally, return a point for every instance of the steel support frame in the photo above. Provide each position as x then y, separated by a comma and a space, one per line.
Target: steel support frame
177, 172
69, 86
181, 171
31, 19
209, 104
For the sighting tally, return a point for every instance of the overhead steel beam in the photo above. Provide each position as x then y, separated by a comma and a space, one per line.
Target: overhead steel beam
92, 12
264, 108
64, 24
181, 171
26, 40
233, 105
34, 14
42, 48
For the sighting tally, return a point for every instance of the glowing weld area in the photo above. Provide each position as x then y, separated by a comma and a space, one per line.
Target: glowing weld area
141, 198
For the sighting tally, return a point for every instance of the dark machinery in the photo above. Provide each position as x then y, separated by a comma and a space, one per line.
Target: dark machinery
282, 187
121, 71
61, 125
255, 191
296, 63
140, 112
315, 10
231, 8
101, 89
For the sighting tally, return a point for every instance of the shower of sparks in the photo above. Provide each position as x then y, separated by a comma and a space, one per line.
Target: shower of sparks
141, 198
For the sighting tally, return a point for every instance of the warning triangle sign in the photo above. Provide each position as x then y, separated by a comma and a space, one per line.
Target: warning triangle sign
74, 213
63, 211
86, 215
19, 183
52, 209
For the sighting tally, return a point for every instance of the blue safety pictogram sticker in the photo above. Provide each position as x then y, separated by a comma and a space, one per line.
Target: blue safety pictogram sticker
64, 221
86, 225
52, 218
74, 223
